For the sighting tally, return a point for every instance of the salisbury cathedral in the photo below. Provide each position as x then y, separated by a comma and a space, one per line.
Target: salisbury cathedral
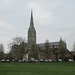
32, 35
47, 50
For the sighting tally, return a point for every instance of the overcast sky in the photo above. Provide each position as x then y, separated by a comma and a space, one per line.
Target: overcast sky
52, 19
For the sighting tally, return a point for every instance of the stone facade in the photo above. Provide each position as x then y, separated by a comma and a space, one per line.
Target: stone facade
31, 32
53, 45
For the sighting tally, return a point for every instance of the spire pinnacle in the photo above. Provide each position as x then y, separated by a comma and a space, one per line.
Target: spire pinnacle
31, 20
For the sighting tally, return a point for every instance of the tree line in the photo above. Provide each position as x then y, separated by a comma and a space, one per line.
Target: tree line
19, 47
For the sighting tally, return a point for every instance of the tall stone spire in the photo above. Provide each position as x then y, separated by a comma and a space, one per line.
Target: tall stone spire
31, 20
31, 32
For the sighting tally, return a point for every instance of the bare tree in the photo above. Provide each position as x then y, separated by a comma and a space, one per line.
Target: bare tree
1, 48
74, 47
17, 48
18, 40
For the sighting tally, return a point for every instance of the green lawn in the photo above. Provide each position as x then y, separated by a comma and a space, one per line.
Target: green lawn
55, 68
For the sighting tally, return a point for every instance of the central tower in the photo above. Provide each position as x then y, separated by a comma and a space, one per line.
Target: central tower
31, 32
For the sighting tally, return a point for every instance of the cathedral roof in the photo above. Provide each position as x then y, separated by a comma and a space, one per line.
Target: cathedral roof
51, 44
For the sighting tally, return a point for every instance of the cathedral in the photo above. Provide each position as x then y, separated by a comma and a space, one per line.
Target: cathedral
53, 45
32, 35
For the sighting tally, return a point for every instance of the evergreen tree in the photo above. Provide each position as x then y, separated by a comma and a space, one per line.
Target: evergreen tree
1, 51
62, 49
47, 50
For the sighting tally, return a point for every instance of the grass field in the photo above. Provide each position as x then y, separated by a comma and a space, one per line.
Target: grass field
56, 68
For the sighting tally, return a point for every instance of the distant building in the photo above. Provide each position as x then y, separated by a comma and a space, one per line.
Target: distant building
32, 40
32, 35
